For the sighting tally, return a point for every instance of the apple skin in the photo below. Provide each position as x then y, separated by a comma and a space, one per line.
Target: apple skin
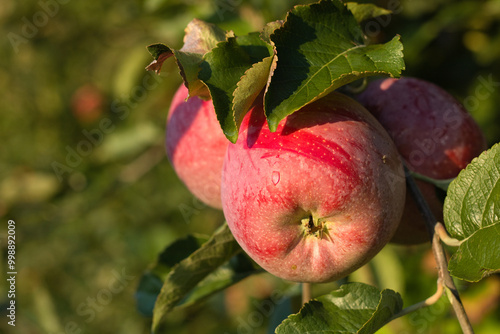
196, 146
434, 134
312, 202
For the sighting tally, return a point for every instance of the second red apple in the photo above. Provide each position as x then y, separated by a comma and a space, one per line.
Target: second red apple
433, 133
196, 146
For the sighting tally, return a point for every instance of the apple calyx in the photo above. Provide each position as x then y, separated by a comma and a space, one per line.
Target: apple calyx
315, 227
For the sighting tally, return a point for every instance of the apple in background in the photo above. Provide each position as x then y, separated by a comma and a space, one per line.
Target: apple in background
196, 146
87, 104
318, 198
433, 133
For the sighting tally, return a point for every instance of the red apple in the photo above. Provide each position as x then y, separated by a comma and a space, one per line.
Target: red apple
87, 104
196, 146
433, 133
319, 197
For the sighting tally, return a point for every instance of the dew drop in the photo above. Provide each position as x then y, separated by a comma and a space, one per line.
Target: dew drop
276, 177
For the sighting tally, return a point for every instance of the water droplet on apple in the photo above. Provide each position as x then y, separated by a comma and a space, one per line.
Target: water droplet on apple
276, 177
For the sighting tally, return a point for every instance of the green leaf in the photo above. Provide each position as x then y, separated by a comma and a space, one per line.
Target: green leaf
156, 50
249, 87
366, 11
269, 29
353, 308
472, 215
319, 49
185, 275
238, 268
160, 53
224, 67
189, 67
200, 38
152, 280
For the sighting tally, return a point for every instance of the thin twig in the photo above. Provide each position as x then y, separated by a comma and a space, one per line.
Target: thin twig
440, 255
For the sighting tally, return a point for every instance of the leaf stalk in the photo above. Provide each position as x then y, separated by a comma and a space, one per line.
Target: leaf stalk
440, 230
427, 302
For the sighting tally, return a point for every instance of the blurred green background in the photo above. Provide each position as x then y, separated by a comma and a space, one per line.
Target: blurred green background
84, 175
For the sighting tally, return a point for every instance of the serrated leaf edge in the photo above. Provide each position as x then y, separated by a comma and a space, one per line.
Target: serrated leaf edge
382, 293
274, 121
454, 183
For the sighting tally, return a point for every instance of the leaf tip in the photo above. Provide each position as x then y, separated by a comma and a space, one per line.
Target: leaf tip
160, 53
232, 136
273, 122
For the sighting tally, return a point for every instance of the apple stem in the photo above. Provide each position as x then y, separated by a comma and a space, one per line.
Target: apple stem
428, 302
441, 184
439, 254
306, 293
445, 237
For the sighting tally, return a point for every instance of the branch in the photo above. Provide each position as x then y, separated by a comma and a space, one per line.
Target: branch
440, 255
